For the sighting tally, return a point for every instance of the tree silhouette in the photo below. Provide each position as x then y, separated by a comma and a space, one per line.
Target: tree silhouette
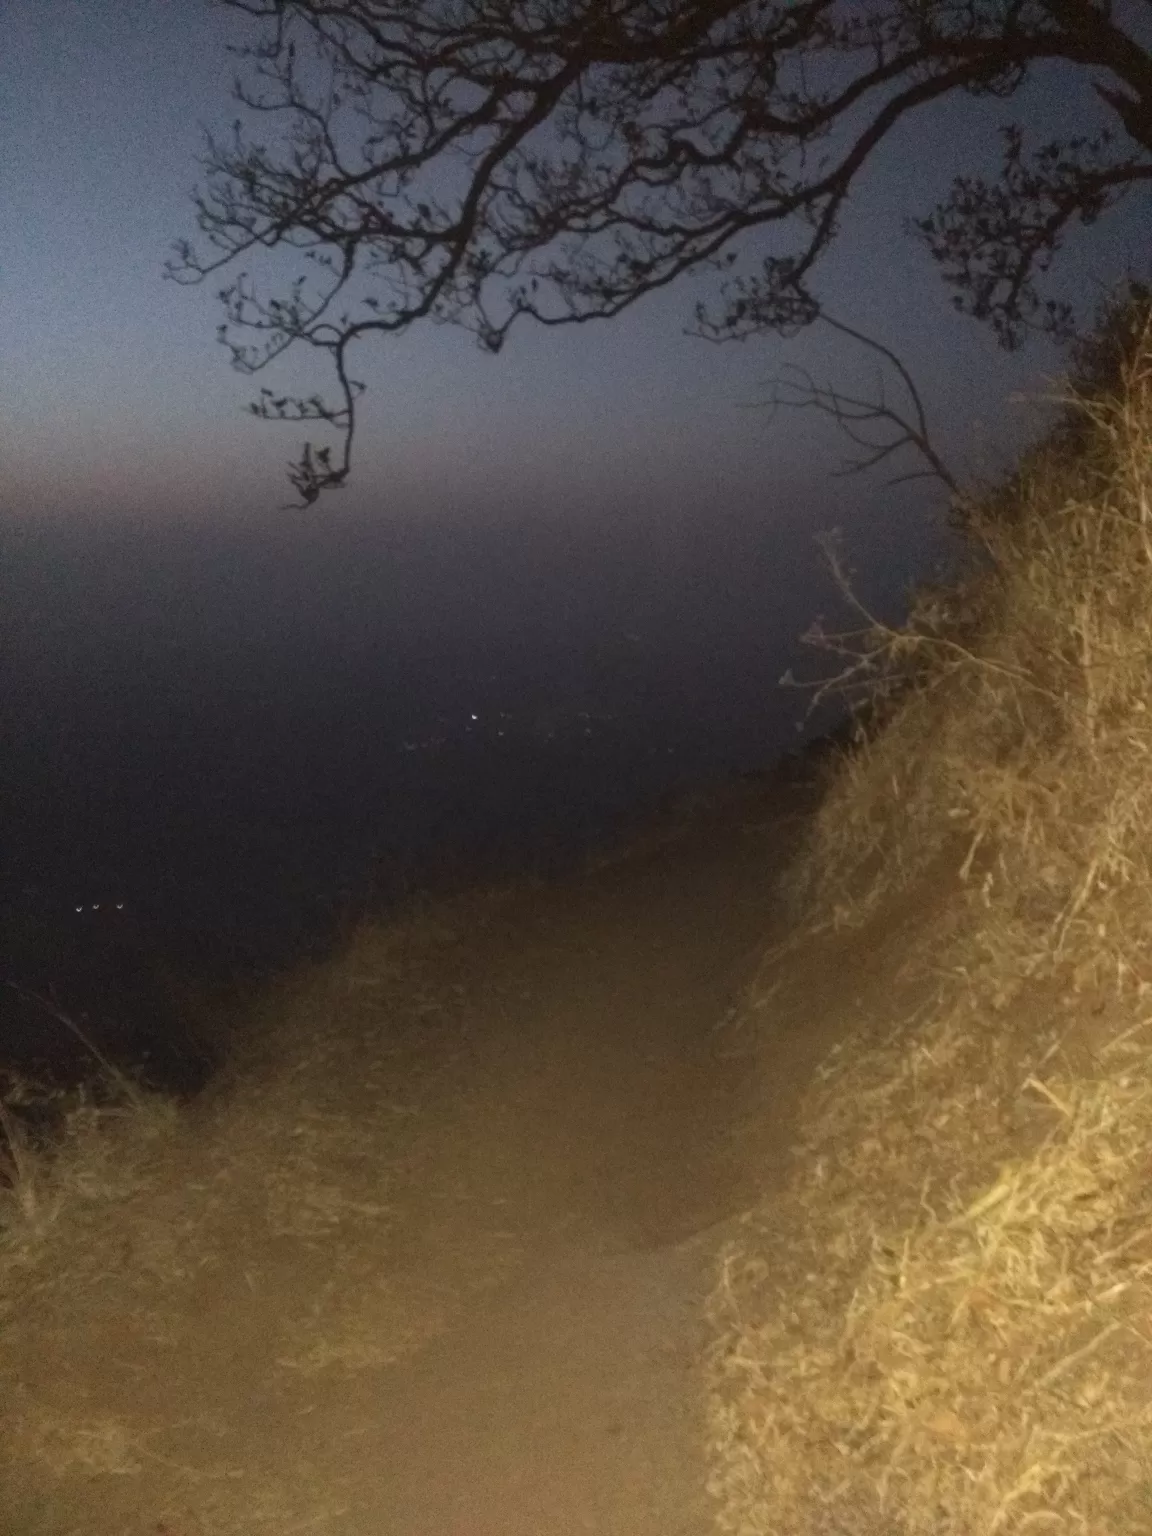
476, 161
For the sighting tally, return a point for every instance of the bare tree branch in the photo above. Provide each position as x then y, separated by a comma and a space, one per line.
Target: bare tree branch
873, 424
479, 161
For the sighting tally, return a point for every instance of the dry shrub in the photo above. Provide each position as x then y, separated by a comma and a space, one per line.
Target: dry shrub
945, 1325
173, 1278
1023, 734
66, 1154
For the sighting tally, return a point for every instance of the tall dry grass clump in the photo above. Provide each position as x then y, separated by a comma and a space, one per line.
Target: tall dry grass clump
944, 1327
1021, 738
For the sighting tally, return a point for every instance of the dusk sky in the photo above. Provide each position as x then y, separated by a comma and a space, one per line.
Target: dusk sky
626, 479
116, 398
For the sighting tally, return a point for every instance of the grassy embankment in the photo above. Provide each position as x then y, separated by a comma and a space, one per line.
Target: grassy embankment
945, 1326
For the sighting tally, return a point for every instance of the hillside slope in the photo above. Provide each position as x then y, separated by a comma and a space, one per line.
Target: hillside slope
943, 1327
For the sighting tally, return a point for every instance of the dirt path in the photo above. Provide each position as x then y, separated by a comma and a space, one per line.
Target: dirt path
558, 1190
600, 1122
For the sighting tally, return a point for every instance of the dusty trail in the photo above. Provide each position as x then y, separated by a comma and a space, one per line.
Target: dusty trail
558, 1193
599, 1124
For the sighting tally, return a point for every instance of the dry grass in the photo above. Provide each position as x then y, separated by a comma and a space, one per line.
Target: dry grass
1022, 726
278, 1210
94, 1153
946, 1327
950, 1340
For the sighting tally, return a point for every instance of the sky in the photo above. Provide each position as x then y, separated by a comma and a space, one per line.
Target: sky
597, 509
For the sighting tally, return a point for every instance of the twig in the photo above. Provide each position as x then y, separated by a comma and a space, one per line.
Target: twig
124, 1083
